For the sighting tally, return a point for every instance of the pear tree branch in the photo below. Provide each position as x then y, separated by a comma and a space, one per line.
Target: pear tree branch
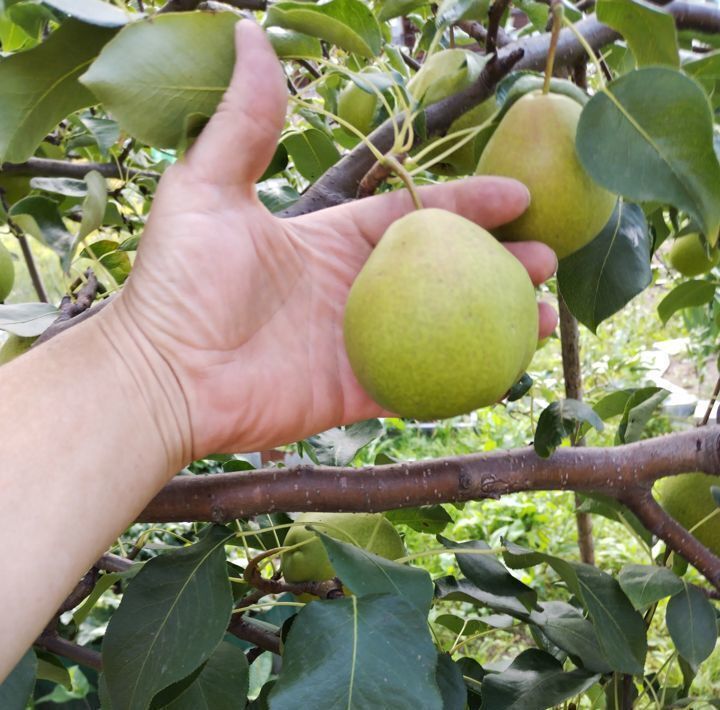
45, 167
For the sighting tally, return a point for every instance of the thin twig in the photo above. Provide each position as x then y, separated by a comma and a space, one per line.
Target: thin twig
711, 403
67, 649
495, 15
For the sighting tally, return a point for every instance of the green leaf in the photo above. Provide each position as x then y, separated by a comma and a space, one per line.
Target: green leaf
222, 684
16, 689
686, 295
465, 591
559, 420
648, 136
646, 584
312, 152
27, 319
570, 631
277, 195
648, 29
449, 678
104, 131
602, 277
352, 654
294, 45
157, 102
533, 681
451, 11
102, 585
39, 87
68, 187
396, 8
40, 217
365, 573
339, 446
50, 667
92, 12
609, 508
692, 624
348, 24
486, 572
639, 408
156, 637
93, 208
432, 519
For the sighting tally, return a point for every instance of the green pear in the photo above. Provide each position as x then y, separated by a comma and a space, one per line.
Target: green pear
688, 256
535, 143
14, 346
358, 107
310, 563
688, 499
444, 74
7, 273
442, 318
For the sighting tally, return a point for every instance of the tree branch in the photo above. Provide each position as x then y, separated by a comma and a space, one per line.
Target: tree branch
45, 167
68, 649
246, 630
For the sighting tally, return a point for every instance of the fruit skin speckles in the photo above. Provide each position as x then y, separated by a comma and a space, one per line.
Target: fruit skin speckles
427, 319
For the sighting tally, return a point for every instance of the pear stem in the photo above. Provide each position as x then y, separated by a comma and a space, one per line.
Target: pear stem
405, 176
588, 49
556, 9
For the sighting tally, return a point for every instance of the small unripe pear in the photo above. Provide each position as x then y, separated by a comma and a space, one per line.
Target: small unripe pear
7, 273
441, 320
535, 144
310, 563
688, 499
357, 107
688, 256
444, 74
14, 346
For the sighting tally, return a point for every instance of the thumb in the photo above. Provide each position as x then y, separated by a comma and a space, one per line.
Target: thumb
239, 140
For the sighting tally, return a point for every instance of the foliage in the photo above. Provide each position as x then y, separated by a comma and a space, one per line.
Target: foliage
490, 608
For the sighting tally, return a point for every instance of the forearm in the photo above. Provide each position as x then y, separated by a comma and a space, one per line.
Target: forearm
92, 425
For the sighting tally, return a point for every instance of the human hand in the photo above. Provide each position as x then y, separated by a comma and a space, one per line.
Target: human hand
246, 308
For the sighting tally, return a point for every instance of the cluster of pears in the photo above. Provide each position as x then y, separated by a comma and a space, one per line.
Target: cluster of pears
688, 499
689, 256
310, 563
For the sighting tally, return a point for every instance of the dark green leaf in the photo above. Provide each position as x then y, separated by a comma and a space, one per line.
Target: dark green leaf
609, 508
432, 519
687, 295
60, 186
450, 681
277, 195
132, 84
39, 87
486, 572
691, 621
16, 689
222, 684
348, 24
157, 637
648, 136
365, 573
92, 12
461, 625
39, 217
602, 277
465, 591
339, 446
646, 584
311, 151
358, 653
520, 388
533, 681
27, 319
648, 29
559, 420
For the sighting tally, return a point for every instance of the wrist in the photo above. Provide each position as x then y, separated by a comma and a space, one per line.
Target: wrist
149, 384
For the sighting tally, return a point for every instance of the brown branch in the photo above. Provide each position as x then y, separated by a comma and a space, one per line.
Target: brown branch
246, 630
62, 647
113, 563
61, 325
475, 30
45, 167
711, 403
410, 62
495, 14
374, 177
572, 374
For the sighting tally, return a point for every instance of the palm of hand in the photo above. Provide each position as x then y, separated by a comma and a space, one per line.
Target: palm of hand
247, 308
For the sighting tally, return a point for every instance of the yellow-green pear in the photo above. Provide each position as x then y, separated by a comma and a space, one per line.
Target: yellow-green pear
357, 107
535, 143
445, 73
688, 499
688, 256
441, 320
14, 346
7, 273
310, 562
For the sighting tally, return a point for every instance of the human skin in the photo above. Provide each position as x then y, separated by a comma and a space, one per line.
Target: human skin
227, 337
